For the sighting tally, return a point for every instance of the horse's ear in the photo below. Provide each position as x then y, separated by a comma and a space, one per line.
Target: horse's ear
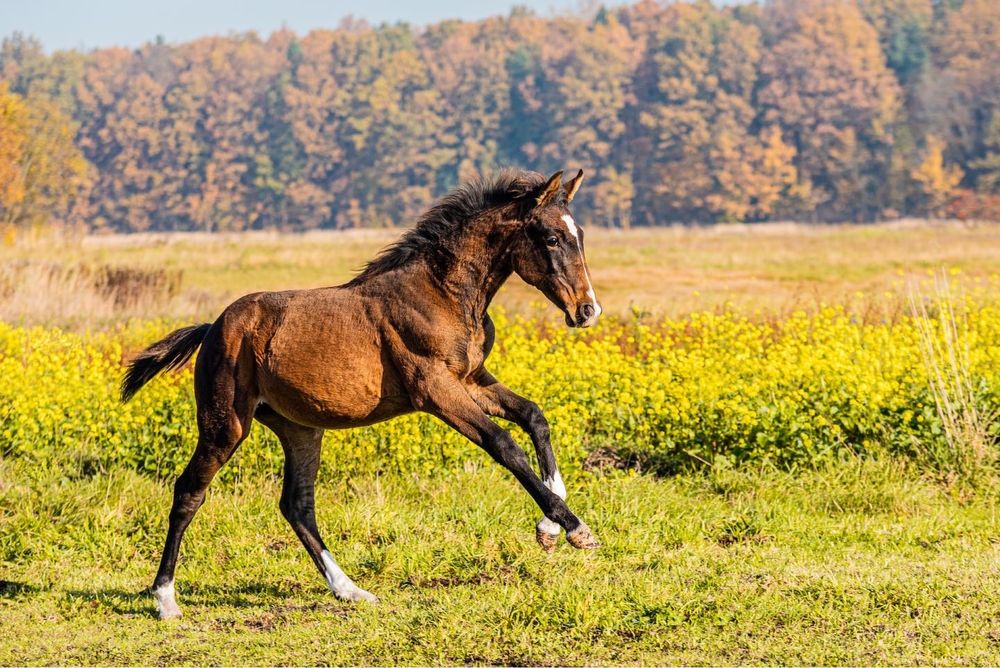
573, 186
549, 190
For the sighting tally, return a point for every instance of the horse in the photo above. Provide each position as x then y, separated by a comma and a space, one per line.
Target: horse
410, 332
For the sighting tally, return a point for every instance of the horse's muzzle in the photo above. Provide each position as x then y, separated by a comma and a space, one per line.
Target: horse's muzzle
586, 315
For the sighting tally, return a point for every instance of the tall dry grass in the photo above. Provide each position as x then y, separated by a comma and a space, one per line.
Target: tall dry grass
82, 294
970, 428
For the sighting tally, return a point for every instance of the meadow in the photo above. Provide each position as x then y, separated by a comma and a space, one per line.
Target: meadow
785, 437
773, 268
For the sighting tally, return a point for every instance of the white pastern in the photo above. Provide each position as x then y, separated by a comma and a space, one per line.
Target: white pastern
341, 585
557, 487
548, 526
571, 226
166, 603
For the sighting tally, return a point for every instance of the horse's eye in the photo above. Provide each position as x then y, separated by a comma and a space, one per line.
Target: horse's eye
552, 242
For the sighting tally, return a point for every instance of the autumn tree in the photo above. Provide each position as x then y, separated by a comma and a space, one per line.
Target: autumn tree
472, 88
29, 72
13, 137
41, 171
826, 83
683, 111
962, 99
699, 152
937, 181
570, 94
125, 132
987, 166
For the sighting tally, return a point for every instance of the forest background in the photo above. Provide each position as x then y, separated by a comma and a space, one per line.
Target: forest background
679, 112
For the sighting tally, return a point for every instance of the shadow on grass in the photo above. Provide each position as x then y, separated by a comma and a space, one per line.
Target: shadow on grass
120, 601
250, 596
10, 589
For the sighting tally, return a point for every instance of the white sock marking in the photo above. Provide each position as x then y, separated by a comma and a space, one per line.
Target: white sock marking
557, 487
342, 586
571, 226
166, 603
556, 484
548, 526
336, 578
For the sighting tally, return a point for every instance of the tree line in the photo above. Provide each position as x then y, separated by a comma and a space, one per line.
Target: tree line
827, 110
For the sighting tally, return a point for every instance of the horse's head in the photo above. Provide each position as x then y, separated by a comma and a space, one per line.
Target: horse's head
549, 254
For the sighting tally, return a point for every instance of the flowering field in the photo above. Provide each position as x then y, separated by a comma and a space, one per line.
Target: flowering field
843, 510
660, 395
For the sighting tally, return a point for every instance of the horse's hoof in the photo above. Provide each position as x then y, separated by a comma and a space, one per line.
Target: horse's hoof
166, 603
546, 540
582, 539
174, 613
358, 594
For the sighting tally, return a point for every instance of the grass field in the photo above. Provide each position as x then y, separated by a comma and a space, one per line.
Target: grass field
862, 564
672, 271
853, 553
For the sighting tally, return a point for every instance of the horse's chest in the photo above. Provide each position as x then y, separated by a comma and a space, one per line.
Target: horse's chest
469, 355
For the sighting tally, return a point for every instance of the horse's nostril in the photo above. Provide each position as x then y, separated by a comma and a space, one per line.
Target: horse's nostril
587, 311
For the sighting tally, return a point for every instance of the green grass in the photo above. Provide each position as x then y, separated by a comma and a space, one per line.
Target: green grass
859, 564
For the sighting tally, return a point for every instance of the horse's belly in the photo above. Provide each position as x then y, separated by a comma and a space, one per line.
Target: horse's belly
330, 370
332, 400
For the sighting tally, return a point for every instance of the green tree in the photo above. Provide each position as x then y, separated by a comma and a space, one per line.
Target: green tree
903, 28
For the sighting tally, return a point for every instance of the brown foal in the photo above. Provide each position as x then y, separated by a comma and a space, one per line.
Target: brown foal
409, 333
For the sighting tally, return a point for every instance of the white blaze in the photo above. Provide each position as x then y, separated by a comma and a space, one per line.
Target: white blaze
571, 226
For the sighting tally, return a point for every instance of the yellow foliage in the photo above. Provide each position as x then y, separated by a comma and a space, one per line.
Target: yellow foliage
13, 136
671, 392
41, 170
936, 180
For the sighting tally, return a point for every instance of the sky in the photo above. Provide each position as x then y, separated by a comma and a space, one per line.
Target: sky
86, 24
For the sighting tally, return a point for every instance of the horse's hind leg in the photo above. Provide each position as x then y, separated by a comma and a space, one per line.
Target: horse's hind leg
302, 446
223, 422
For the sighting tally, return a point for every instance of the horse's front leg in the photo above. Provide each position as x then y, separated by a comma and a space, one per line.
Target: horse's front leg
449, 400
497, 400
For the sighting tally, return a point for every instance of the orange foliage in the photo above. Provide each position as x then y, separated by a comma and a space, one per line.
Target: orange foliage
682, 111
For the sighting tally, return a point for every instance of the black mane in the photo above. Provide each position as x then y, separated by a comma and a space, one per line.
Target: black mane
450, 215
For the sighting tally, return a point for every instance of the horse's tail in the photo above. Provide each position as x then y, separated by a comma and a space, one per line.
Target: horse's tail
170, 352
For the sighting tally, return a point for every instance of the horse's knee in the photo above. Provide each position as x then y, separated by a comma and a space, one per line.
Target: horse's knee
188, 496
287, 509
536, 420
505, 450
295, 507
291, 509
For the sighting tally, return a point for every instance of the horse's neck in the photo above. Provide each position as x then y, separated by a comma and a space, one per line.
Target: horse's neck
482, 265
